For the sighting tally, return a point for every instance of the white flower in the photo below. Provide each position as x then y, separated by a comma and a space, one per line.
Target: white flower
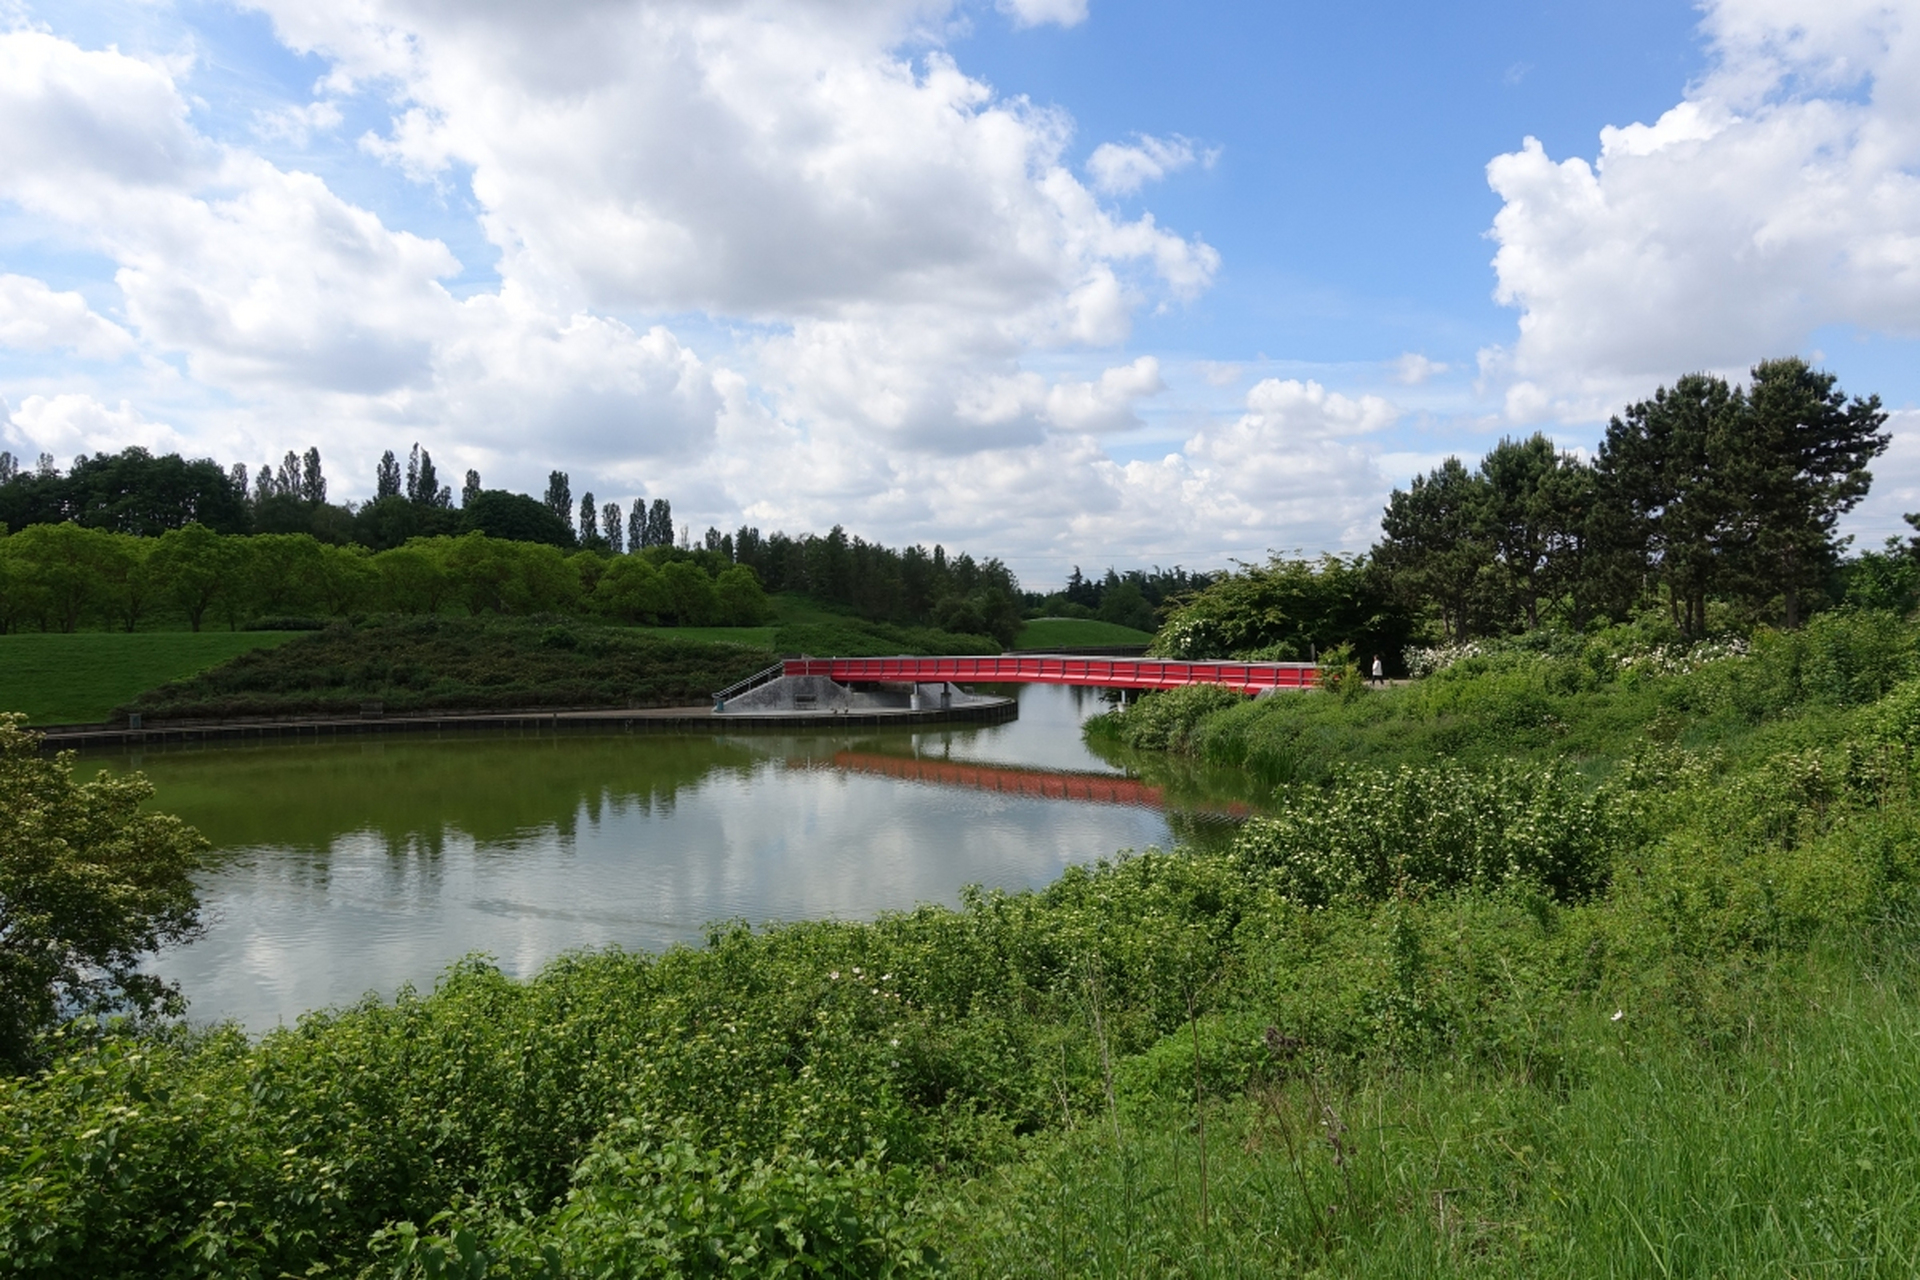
1619, 1014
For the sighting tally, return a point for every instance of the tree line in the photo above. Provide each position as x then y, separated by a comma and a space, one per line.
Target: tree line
60, 577
1709, 502
136, 493
1704, 493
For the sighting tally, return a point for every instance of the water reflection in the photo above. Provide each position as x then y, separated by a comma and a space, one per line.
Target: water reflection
359, 865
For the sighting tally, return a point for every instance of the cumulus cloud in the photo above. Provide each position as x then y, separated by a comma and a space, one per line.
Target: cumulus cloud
872, 246
70, 424
1123, 169
1778, 196
34, 317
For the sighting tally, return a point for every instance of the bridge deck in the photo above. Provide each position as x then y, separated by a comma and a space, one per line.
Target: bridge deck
1105, 673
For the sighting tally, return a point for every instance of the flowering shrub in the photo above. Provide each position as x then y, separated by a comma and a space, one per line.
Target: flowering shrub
1444, 827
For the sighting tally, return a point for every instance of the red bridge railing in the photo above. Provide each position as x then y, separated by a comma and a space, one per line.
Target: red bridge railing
1105, 673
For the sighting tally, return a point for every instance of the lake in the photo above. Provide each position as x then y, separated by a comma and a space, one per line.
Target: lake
362, 864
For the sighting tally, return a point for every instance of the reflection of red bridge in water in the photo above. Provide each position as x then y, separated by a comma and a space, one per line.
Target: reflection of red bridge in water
1042, 784
1104, 673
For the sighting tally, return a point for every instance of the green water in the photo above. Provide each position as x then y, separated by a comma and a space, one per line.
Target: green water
358, 865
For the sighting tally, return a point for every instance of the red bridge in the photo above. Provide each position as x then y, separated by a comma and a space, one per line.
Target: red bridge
1103, 673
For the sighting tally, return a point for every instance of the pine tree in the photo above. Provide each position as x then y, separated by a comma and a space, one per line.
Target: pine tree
1666, 476
386, 478
1434, 545
1801, 461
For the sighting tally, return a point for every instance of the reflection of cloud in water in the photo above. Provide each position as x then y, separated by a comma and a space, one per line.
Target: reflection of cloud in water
617, 863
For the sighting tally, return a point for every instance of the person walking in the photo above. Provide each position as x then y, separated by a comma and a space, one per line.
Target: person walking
1379, 671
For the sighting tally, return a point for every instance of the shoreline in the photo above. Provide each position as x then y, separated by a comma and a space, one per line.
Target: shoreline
700, 719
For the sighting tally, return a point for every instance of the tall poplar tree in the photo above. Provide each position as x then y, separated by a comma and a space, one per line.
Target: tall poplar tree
386, 477
559, 497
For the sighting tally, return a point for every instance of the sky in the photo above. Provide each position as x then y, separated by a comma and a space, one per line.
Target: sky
1070, 282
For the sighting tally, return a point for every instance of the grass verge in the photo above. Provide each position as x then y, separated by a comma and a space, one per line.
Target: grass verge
80, 678
1077, 633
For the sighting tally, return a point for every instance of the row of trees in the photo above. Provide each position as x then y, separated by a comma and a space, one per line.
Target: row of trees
133, 492
1704, 492
59, 577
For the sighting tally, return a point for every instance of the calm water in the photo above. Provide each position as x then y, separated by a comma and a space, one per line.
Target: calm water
360, 865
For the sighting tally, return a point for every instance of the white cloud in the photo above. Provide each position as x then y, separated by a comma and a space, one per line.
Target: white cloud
1778, 197
873, 250
296, 124
1107, 404
1122, 170
34, 317
71, 424
1412, 369
1033, 13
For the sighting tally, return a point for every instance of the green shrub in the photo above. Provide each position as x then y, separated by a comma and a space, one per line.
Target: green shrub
1374, 833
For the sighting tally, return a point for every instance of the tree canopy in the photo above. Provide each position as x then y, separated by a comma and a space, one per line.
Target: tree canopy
90, 885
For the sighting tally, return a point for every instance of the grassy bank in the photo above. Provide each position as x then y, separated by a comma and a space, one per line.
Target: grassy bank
81, 678
1077, 633
1592, 699
1645, 1005
456, 664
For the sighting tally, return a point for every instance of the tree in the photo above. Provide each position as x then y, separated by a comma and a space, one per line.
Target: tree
515, 517
68, 564
660, 523
313, 485
469, 490
386, 477
424, 487
1801, 462
589, 520
637, 525
610, 519
1434, 547
134, 492
1664, 472
413, 578
90, 885
192, 566
560, 497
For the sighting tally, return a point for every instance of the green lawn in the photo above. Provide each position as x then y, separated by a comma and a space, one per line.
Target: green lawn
79, 678
1077, 633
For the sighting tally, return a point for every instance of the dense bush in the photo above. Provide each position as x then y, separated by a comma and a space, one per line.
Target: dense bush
1374, 833
450, 663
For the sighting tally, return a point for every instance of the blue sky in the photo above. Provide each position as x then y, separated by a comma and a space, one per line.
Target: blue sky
1070, 281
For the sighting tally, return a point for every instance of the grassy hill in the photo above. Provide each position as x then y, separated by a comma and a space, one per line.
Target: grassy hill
80, 678
1077, 633
457, 664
